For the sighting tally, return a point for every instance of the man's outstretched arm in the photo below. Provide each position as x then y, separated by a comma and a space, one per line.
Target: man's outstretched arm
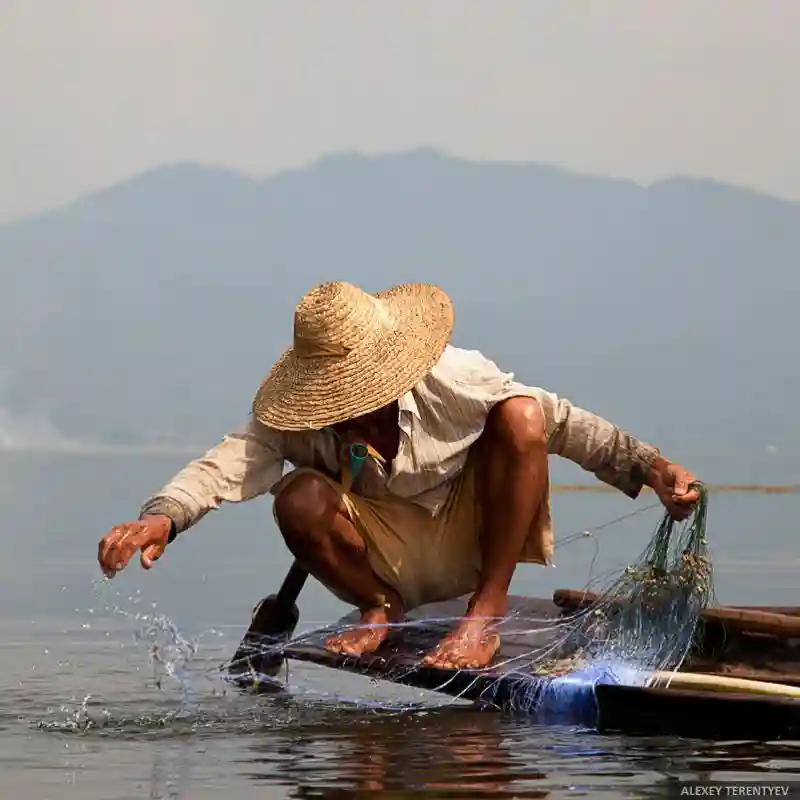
614, 456
242, 466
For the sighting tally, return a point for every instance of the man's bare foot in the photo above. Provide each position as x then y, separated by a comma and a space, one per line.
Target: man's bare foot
470, 646
366, 638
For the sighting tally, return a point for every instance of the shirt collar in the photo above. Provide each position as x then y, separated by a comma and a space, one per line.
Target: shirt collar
408, 404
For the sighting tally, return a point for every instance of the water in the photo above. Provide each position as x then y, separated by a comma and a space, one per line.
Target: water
85, 714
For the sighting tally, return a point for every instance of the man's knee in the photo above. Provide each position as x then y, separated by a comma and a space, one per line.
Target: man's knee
517, 425
306, 507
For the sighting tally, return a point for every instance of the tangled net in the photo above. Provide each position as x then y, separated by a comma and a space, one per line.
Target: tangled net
643, 622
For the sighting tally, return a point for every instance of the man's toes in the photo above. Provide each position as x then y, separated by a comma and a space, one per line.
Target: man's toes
434, 658
439, 658
356, 648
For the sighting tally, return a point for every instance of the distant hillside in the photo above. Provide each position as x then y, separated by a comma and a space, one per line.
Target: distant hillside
152, 309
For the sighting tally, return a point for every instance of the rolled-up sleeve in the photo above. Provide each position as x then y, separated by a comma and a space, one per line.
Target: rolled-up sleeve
597, 445
244, 465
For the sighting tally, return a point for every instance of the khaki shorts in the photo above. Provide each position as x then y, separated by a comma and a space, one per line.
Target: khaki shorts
426, 558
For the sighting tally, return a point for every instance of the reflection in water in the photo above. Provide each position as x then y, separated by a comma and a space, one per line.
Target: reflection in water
172, 771
463, 752
452, 750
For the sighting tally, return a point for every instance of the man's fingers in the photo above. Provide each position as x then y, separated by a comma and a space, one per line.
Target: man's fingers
688, 499
113, 559
673, 489
118, 547
121, 544
109, 573
150, 554
682, 479
106, 547
682, 506
128, 545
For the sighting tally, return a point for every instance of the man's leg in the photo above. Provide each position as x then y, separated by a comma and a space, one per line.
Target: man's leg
324, 541
511, 486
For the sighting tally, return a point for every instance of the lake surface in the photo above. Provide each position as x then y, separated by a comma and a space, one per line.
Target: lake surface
85, 713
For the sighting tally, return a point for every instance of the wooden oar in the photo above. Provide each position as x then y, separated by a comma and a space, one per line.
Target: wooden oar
273, 623
277, 615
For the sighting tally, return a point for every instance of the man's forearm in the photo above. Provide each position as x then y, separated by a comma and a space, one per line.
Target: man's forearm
242, 466
602, 448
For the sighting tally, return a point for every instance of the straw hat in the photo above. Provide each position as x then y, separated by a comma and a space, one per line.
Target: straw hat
354, 353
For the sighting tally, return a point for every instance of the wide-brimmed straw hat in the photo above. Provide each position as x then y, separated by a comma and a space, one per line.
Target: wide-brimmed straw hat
354, 353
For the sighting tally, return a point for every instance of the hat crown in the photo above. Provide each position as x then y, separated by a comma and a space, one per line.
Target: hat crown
331, 319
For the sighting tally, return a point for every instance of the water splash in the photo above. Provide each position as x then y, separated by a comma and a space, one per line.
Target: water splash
78, 719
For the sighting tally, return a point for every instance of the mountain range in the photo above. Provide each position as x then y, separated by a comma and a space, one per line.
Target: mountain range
149, 311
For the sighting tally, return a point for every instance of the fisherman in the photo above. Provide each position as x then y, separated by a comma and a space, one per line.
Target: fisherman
455, 491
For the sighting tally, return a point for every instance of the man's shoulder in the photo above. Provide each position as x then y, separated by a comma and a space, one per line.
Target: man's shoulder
464, 376
465, 366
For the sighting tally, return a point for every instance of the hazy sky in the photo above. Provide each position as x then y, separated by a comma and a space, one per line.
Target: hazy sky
92, 91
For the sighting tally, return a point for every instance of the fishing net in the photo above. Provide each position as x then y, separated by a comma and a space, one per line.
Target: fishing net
639, 623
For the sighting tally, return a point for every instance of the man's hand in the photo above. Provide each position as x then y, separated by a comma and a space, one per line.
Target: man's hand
149, 535
671, 483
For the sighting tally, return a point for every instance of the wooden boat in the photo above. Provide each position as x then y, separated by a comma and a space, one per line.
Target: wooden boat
742, 681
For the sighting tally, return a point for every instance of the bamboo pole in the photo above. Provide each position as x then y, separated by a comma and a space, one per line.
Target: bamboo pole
720, 683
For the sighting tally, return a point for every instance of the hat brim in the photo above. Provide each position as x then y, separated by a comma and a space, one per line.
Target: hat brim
302, 393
